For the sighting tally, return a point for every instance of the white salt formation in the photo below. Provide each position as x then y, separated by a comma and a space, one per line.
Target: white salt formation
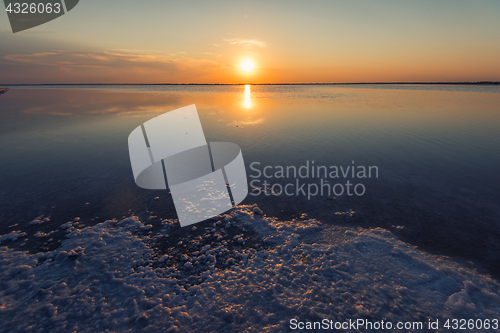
242, 273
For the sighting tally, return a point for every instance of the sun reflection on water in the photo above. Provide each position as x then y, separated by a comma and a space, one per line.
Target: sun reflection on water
247, 102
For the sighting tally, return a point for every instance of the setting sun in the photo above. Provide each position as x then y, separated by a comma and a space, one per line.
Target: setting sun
247, 66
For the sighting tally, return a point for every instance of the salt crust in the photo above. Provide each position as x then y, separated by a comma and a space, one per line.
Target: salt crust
106, 278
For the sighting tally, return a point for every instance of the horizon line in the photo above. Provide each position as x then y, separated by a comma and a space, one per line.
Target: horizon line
253, 84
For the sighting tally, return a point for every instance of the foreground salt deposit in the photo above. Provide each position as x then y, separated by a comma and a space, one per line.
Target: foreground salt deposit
243, 273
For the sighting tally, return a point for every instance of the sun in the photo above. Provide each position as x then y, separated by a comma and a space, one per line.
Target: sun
247, 66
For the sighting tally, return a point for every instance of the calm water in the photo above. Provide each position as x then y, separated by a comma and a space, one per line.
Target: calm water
437, 148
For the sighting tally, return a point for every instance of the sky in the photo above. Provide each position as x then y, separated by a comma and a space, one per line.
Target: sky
292, 41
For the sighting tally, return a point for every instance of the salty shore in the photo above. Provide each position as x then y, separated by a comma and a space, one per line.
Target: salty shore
242, 271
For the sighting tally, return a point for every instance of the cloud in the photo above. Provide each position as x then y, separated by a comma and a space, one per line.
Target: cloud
115, 64
107, 59
213, 54
248, 43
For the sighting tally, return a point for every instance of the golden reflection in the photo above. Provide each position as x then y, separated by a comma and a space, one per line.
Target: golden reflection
247, 102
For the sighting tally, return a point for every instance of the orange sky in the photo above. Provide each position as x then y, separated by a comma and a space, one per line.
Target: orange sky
288, 41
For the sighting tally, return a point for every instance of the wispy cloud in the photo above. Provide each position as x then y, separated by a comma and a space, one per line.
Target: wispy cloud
108, 59
114, 64
213, 54
248, 43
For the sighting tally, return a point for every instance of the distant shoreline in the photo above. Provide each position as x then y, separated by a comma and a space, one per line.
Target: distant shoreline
253, 84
